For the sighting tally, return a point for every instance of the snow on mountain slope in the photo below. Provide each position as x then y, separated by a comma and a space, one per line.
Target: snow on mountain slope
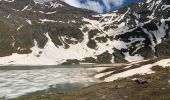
109, 74
48, 33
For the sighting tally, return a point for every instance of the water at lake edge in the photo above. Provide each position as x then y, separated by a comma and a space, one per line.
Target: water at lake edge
17, 82
60, 88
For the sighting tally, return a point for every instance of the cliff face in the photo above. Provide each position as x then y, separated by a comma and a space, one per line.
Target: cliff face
54, 32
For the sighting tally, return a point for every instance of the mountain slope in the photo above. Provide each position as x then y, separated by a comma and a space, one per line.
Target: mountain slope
54, 32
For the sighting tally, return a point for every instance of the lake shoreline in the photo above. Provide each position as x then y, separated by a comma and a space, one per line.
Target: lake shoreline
155, 87
20, 80
60, 89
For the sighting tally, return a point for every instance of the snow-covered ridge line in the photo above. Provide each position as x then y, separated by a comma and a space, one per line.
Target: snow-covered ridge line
8, 0
123, 35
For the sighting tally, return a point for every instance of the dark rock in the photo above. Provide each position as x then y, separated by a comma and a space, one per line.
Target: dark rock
92, 44
119, 56
71, 61
141, 81
105, 58
163, 49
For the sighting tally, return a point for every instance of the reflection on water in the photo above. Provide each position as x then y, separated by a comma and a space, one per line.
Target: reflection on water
23, 80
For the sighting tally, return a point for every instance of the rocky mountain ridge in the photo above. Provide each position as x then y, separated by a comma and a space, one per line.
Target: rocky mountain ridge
54, 32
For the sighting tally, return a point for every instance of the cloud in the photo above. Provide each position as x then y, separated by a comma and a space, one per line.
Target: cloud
117, 2
91, 5
74, 3
109, 3
95, 5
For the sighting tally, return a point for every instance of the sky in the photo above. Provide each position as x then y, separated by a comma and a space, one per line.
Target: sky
101, 6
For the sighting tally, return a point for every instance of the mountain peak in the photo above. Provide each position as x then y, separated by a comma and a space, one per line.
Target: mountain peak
41, 32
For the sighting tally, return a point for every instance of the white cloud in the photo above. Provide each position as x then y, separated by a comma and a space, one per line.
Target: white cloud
115, 2
94, 5
91, 5
118, 2
74, 3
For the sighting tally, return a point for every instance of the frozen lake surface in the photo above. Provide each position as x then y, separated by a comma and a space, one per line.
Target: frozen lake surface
20, 80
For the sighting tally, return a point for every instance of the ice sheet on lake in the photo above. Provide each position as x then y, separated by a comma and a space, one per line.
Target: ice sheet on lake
14, 83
